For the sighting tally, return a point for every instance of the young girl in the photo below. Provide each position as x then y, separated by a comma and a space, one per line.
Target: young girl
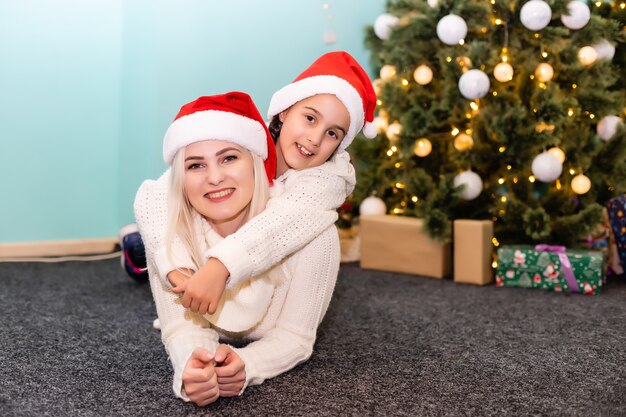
314, 178
218, 181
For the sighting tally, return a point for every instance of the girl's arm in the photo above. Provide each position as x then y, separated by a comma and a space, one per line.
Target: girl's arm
151, 215
313, 272
306, 207
181, 330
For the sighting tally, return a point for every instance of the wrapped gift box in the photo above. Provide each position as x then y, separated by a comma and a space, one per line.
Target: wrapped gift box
473, 251
398, 244
538, 267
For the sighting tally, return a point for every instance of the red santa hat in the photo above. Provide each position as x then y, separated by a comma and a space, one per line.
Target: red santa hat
335, 73
230, 117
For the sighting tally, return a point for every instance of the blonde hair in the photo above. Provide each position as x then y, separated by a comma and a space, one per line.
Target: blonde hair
182, 221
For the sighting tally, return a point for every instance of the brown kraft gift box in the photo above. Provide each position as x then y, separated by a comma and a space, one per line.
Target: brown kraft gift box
398, 244
473, 251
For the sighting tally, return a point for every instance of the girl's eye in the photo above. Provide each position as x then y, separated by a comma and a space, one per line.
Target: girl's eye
193, 166
229, 158
332, 134
310, 118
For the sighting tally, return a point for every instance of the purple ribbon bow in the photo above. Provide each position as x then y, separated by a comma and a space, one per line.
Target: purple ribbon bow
566, 266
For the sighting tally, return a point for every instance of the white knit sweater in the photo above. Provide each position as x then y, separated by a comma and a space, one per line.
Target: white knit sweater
300, 218
302, 205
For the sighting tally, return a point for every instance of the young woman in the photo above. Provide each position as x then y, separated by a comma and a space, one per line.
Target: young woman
222, 158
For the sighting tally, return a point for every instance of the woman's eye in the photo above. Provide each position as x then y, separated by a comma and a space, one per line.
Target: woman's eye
310, 118
193, 166
229, 158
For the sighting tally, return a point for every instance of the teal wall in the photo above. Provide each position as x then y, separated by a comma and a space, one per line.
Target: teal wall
88, 88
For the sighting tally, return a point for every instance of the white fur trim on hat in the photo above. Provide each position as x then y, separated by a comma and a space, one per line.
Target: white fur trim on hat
322, 84
214, 125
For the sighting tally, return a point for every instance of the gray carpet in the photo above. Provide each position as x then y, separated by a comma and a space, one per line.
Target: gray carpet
76, 339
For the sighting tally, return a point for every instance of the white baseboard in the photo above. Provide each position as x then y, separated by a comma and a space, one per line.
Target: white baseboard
58, 247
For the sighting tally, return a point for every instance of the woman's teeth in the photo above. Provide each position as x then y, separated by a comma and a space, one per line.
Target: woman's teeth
303, 150
220, 194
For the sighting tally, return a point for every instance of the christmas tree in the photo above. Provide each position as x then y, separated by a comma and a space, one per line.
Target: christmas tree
503, 110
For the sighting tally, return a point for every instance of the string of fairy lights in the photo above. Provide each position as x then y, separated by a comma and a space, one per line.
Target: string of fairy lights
474, 84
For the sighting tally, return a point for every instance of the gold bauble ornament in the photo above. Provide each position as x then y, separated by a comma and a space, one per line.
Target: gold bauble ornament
423, 75
387, 72
587, 55
422, 147
581, 184
503, 72
544, 72
463, 142
557, 153
393, 131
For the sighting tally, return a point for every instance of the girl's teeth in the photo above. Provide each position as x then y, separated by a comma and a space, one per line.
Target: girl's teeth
304, 151
220, 194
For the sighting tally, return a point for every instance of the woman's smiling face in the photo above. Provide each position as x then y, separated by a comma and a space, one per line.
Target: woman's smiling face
219, 181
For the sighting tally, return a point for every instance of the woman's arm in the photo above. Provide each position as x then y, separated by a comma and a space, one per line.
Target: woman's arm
181, 330
306, 207
313, 271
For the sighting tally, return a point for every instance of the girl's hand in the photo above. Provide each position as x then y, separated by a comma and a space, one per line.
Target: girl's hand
178, 279
204, 289
199, 378
230, 370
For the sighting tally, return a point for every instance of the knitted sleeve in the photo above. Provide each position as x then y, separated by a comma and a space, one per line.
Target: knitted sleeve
151, 215
181, 330
306, 207
313, 272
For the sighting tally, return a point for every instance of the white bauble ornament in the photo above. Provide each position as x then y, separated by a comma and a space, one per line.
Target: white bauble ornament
463, 142
451, 29
387, 72
384, 24
372, 206
423, 75
544, 72
578, 15
503, 72
557, 153
474, 84
472, 182
546, 167
422, 147
433, 3
535, 15
604, 50
587, 55
607, 127
581, 184
393, 131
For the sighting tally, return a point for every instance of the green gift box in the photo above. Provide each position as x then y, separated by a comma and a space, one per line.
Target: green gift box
550, 268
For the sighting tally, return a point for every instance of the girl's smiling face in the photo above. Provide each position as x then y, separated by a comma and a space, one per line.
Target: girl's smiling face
312, 130
219, 182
